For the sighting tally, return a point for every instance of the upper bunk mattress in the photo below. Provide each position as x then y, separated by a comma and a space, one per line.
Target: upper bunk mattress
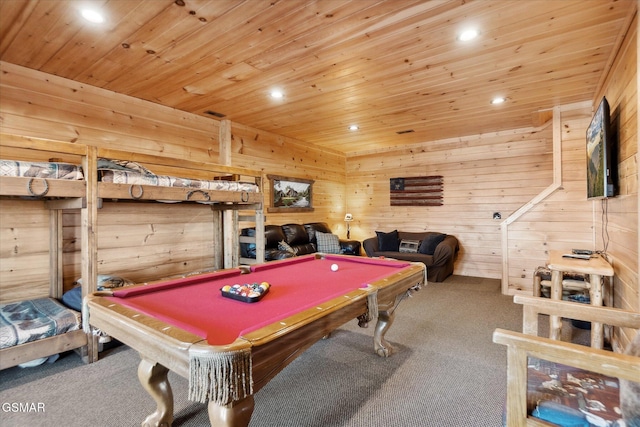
131, 173
52, 170
31, 320
117, 172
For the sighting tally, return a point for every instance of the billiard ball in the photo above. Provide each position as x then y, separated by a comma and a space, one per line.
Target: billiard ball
334, 267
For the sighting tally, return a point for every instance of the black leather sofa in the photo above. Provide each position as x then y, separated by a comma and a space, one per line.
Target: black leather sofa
300, 238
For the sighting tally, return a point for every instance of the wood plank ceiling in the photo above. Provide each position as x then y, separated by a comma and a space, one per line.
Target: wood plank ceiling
387, 66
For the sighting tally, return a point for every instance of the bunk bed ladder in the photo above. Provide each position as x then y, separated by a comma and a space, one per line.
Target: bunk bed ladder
258, 239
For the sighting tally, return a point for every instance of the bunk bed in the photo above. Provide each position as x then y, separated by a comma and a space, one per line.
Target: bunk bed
35, 325
149, 178
112, 175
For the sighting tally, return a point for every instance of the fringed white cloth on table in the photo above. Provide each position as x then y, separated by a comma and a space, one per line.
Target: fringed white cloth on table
221, 377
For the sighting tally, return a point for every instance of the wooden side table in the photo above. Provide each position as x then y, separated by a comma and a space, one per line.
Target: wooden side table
595, 267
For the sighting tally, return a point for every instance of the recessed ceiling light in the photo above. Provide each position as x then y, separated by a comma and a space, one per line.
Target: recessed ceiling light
498, 100
277, 94
92, 16
468, 35
353, 127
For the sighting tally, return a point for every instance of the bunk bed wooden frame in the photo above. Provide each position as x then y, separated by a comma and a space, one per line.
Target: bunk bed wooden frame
220, 201
60, 194
88, 196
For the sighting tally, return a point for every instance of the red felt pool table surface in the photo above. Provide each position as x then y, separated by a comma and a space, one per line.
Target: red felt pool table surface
196, 305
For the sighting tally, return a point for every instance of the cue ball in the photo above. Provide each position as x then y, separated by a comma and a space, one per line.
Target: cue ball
334, 267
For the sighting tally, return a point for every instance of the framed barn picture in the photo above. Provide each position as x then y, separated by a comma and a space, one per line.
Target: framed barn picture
290, 194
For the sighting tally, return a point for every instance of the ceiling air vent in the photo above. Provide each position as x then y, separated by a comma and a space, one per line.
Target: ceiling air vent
214, 113
402, 132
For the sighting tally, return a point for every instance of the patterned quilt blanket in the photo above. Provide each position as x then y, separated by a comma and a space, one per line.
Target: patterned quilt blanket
118, 172
31, 320
134, 178
125, 172
41, 170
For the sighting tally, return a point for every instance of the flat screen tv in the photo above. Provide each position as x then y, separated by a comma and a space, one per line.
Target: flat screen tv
600, 177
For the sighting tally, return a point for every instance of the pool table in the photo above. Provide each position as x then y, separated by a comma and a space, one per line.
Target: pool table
229, 349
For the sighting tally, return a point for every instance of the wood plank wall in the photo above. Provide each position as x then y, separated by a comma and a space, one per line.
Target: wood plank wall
621, 89
278, 155
482, 174
24, 249
562, 221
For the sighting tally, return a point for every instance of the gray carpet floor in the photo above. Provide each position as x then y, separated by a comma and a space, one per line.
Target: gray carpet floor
446, 372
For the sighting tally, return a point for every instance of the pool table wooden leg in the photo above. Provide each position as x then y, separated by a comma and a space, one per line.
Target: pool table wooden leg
380, 345
236, 414
153, 377
386, 314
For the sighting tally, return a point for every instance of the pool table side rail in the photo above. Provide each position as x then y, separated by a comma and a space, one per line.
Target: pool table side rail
388, 288
157, 340
379, 294
288, 324
271, 357
165, 284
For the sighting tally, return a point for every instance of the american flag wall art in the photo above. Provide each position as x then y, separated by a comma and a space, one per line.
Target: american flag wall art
416, 191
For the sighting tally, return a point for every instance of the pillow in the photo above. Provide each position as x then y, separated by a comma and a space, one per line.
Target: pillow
248, 250
106, 281
388, 241
328, 243
429, 243
284, 246
409, 246
124, 165
316, 226
73, 298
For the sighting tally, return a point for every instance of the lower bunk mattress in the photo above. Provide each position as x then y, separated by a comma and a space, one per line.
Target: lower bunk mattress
30, 320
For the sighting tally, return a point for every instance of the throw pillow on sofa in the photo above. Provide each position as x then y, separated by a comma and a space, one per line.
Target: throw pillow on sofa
312, 227
284, 246
388, 241
409, 246
429, 243
327, 243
